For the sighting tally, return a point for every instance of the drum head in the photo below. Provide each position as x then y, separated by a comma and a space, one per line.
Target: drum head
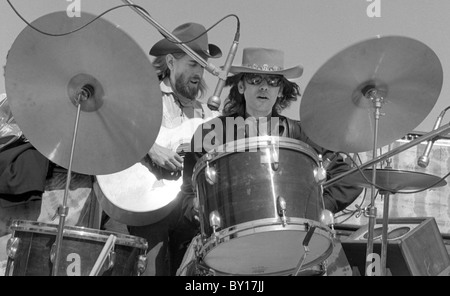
267, 250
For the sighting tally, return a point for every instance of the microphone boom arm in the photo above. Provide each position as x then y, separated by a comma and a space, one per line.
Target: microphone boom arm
208, 66
391, 153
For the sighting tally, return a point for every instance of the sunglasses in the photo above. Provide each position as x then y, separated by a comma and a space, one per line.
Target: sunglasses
256, 79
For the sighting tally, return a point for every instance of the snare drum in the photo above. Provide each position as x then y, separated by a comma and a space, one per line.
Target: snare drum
31, 250
256, 208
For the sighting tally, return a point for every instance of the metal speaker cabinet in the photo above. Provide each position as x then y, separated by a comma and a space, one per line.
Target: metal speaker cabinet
415, 247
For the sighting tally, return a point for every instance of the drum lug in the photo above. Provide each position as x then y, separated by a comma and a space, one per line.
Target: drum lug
12, 246
111, 260
216, 222
210, 171
53, 253
281, 206
327, 218
142, 264
320, 173
211, 174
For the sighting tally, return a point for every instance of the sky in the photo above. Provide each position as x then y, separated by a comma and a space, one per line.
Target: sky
310, 32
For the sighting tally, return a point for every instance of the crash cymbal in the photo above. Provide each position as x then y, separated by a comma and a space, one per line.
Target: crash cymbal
395, 180
336, 110
119, 121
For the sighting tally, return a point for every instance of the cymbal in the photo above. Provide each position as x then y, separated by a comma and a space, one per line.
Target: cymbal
395, 180
120, 119
336, 110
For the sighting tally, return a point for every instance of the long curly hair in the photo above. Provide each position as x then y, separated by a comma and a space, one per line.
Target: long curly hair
235, 101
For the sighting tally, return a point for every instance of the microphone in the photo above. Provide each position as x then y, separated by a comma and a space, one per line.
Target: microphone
214, 101
424, 160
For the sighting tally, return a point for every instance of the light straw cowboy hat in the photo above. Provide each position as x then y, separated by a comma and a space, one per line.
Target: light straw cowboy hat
265, 61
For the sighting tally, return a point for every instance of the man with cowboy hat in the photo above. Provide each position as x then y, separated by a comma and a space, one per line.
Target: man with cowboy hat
182, 84
259, 91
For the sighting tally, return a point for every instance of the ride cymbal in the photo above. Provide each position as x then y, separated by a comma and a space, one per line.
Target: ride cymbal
121, 117
337, 111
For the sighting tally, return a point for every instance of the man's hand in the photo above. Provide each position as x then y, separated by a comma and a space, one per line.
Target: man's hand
166, 158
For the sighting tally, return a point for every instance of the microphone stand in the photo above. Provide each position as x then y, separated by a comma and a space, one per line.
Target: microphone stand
208, 66
397, 150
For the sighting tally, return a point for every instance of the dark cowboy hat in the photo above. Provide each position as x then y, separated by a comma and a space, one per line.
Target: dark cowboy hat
187, 32
265, 61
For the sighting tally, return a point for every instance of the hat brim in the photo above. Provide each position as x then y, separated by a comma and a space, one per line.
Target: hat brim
293, 72
164, 47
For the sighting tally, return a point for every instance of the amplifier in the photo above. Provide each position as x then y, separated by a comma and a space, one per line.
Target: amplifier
414, 247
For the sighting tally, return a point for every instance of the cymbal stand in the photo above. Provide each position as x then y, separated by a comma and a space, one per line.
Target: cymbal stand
372, 212
84, 93
385, 197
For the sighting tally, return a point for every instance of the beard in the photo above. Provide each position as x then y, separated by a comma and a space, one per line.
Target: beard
185, 88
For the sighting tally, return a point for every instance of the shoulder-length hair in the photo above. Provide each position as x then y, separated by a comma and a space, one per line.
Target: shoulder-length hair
163, 71
235, 102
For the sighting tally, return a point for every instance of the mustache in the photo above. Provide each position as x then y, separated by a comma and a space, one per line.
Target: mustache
197, 77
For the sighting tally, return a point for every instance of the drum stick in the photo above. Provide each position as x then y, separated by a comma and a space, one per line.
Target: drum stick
102, 257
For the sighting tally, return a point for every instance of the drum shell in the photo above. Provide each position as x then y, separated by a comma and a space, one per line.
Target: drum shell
80, 249
261, 208
248, 187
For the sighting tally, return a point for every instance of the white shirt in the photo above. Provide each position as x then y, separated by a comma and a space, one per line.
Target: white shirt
180, 119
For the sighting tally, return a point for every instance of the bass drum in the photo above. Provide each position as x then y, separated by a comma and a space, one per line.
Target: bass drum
256, 209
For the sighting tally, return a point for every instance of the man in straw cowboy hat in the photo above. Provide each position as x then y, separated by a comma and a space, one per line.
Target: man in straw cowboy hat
260, 91
182, 85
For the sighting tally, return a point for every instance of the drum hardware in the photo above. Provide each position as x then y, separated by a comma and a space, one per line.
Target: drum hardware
216, 222
281, 205
12, 245
142, 264
320, 173
305, 244
83, 95
327, 218
106, 253
210, 171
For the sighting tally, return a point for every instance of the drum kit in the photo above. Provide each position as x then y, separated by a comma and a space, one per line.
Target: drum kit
91, 103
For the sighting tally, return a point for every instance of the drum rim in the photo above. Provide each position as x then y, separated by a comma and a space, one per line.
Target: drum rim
288, 272
292, 144
80, 232
293, 224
